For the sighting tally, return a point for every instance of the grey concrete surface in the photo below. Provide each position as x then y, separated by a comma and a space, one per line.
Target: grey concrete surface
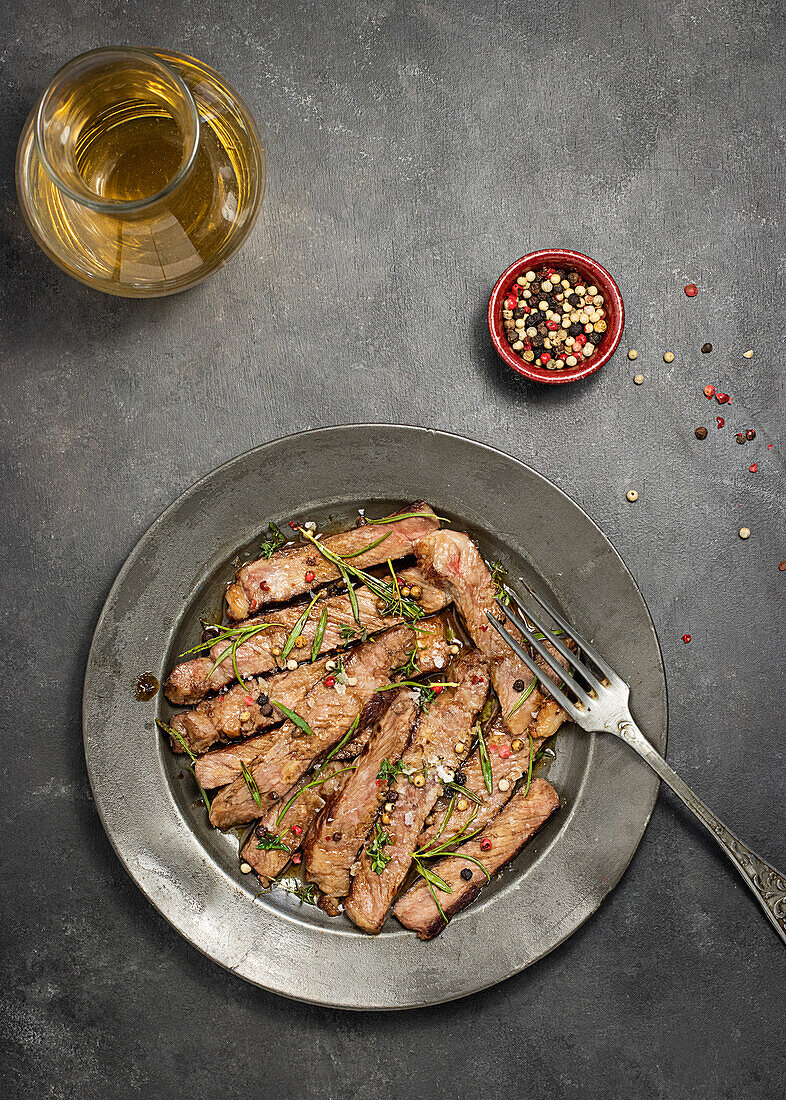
415, 149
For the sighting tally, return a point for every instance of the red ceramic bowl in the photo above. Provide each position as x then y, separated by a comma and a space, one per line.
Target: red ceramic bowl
595, 275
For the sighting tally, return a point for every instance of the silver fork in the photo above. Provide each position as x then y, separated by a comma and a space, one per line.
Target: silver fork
604, 706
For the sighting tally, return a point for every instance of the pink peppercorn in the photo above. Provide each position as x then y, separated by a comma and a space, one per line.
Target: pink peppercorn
691, 290
310, 575
437, 689
723, 398
297, 829
330, 681
296, 857
686, 638
544, 358
504, 751
248, 700
753, 468
709, 392
485, 844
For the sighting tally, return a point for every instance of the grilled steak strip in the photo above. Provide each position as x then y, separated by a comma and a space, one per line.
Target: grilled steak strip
283, 576
330, 713
503, 767
230, 716
188, 682
268, 864
452, 560
344, 823
448, 723
507, 834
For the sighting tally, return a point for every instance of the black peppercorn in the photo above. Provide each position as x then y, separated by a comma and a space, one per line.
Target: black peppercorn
576, 329
460, 778
574, 300
518, 685
209, 633
266, 710
519, 311
740, 437
260, 831
573, 278
701, 433
262, 699
392, 796
543, 329
750, 434
273, 795
536, 341
535, 318
706, 348
337, 837
512, 335
466, 874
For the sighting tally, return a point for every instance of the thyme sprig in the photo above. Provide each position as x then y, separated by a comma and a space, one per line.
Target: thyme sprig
498, 573
390, 771
425, 690
251, 783
353, 633
272, 842
307, 892
375, 850
411, 667
274, 541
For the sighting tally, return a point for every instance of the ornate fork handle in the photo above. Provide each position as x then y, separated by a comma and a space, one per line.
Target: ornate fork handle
767, 884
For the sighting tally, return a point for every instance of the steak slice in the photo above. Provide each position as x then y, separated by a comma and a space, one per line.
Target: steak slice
191, 681
452, 560
507, 834
329, 713
508, 765
282, 576
231, 716
448, 723
269, 863
344, 823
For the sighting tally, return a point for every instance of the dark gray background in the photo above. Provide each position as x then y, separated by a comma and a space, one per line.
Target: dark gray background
415, 149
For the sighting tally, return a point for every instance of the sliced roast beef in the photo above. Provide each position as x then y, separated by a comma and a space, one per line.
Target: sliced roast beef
508, 765
293, 571
329, 710
245, 709
498, 843
452, 560
344, 823
191, 681
440, 743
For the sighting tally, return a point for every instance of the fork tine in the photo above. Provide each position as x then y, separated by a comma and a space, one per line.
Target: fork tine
582, 643
559, 645
538, 646
534, 668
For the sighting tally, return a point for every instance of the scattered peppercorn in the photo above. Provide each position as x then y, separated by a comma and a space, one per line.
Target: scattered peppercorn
296, 858
459, 778
745, 533
266, 710
782, 566
633, 354
297, 829
750, 434
337, 837
330, 681
740, 437
691, 290
310, 575
518, 685
517, 745
753, 467
748, 354
466, 874
419, 781
209, 633
686, 638
638, 379
709, 391
720, 421
668, 357
706, 348
632, 495
701, 433
485, 844
723, 398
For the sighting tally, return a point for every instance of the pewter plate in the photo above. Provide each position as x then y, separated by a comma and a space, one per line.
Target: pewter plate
149, 804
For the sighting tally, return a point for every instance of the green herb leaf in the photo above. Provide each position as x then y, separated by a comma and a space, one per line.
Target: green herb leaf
172, 732
407, 515
431, 876
308, 786
485, 762
436, 902
529, 769
344, 740
375, 850
274, 541
353, 633
251, 783
272, 842
301, 723
297, 630
304, 892
528, 690
498, 574
459, 789
390, 771
365, 549
319, 635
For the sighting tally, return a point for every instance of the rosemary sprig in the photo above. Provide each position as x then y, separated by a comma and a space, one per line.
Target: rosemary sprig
228, 634
272, 842
528, 690
251, 783
436, 850
275, 540
407, 515
485, 762
172, 732
301, 723
405, 607
308, 786
319, 634
530, 766
297, 630
344, 740
375, 850
365, 549
464, 792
